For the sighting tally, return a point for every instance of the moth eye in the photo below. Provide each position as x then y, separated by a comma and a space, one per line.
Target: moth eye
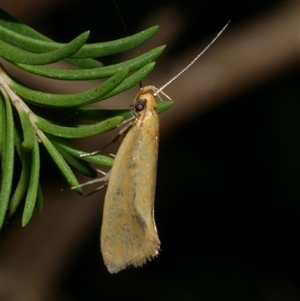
140, 106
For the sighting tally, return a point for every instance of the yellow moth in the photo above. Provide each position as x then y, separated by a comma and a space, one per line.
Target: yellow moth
128, 233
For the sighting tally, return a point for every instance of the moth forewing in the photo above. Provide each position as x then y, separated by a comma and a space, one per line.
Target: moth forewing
128, 233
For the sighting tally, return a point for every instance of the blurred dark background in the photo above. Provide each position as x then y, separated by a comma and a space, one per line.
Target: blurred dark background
228, 195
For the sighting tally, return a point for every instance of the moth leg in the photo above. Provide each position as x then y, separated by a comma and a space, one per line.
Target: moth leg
115, 139
104, 179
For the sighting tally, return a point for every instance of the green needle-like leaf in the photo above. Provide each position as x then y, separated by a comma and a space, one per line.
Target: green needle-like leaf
33, 184
162, 106
15, 26
2, 124
60, 162
28, 132
117, 46
80, 165
84, 63
100, 114
25, 158
32, 41
7, 159
76, 152
131, 81
81, 131
22, 184
15, 55
68, 100
95, 73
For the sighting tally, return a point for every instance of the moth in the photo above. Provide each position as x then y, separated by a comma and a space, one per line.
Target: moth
128, 233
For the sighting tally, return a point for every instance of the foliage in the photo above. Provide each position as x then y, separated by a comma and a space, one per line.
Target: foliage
24, 126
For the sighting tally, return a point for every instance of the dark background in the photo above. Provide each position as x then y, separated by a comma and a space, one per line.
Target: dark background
228, 194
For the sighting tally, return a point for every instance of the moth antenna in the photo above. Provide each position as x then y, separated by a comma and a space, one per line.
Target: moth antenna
192, 62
